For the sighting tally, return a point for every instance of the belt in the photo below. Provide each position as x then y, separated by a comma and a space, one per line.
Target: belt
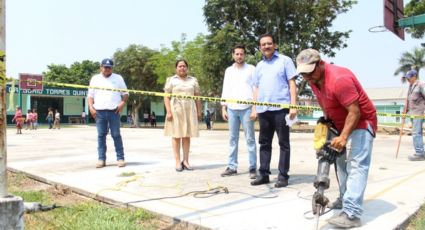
107, 110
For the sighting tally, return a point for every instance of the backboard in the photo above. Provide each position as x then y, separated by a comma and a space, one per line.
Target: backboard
30, 81
393, 11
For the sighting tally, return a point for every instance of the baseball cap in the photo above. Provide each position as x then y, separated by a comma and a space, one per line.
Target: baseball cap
306, 60
411, 73
107, 62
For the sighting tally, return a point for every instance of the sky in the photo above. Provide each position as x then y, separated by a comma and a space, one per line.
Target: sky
44, 32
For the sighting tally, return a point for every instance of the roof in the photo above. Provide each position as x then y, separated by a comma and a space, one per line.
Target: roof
390, 93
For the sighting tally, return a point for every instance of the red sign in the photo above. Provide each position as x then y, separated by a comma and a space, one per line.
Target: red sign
30, 81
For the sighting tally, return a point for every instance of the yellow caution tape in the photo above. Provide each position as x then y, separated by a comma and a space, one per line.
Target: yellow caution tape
209, 99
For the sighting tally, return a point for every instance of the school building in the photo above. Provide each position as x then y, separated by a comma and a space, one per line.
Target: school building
389, 100
70, 102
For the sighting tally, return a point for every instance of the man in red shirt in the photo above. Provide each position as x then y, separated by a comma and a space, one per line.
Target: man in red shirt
344, 101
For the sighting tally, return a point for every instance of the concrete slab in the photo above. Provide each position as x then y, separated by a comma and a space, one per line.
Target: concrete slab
395, 188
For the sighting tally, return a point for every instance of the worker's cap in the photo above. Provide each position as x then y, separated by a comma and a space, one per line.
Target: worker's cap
107, 62
306, 60
411, 73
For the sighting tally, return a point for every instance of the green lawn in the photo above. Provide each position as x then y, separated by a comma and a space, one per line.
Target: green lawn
75, 212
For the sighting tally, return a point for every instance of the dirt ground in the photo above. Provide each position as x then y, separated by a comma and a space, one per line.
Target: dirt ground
60, 195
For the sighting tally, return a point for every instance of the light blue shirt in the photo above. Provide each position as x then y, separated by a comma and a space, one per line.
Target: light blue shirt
271, 77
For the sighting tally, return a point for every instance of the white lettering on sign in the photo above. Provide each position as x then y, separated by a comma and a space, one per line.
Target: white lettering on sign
79, 93
32, 91
64, 92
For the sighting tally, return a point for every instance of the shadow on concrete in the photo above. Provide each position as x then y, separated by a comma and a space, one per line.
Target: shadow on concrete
210, 166
373, 209
376, 208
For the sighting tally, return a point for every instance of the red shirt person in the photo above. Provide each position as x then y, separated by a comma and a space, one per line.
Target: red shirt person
344, 101
341, 89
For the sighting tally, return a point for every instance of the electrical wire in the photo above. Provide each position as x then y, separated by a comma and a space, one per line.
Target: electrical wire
199, 194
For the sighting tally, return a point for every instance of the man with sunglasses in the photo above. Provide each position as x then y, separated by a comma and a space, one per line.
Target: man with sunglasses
344, 101
105, 106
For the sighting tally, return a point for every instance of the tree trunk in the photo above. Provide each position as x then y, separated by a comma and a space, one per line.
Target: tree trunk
135, 111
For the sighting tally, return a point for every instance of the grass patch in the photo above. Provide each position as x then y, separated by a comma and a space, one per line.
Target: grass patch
89, 215
418, 221
75, 212
126, 174
33, 196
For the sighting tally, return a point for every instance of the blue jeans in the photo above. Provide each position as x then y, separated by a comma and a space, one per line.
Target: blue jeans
353, 169
106, 119
50, 122
418, 141
236, 118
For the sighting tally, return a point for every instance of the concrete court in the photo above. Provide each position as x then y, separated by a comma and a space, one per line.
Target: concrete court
395, 190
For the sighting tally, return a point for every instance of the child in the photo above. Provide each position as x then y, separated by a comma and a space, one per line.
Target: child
57, 121
34, 119
18, 119
28, 121
49, 118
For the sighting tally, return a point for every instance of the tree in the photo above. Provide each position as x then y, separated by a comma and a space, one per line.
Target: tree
296, 25
192, 51
217, 56
134, 64
163, 63
77, 73
413, 8
408, 61
84, 71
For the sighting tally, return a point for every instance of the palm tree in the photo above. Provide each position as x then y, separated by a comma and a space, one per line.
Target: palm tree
408, 61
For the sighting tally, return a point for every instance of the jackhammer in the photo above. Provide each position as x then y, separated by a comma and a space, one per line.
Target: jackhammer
324, 133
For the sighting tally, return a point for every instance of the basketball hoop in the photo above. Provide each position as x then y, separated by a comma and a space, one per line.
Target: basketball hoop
377, 29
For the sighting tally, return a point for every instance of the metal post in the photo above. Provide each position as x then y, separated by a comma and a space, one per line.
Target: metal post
11, 208
3, 121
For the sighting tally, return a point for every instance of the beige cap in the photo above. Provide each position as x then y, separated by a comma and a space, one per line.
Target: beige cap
306, 60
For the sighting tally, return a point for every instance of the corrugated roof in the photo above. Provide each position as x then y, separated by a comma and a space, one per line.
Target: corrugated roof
390, 93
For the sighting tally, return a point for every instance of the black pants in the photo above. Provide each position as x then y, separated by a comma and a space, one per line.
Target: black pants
271, 122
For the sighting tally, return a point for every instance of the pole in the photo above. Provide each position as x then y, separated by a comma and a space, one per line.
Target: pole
402, 124
11, 208
3, 121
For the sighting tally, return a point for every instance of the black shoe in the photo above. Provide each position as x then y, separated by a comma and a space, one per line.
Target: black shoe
260, 180
186, 167
252, 173
281, 183
416, 157
229, 172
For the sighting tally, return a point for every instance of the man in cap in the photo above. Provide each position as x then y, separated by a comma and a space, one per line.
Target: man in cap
105, 106
416, 106
344, 101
